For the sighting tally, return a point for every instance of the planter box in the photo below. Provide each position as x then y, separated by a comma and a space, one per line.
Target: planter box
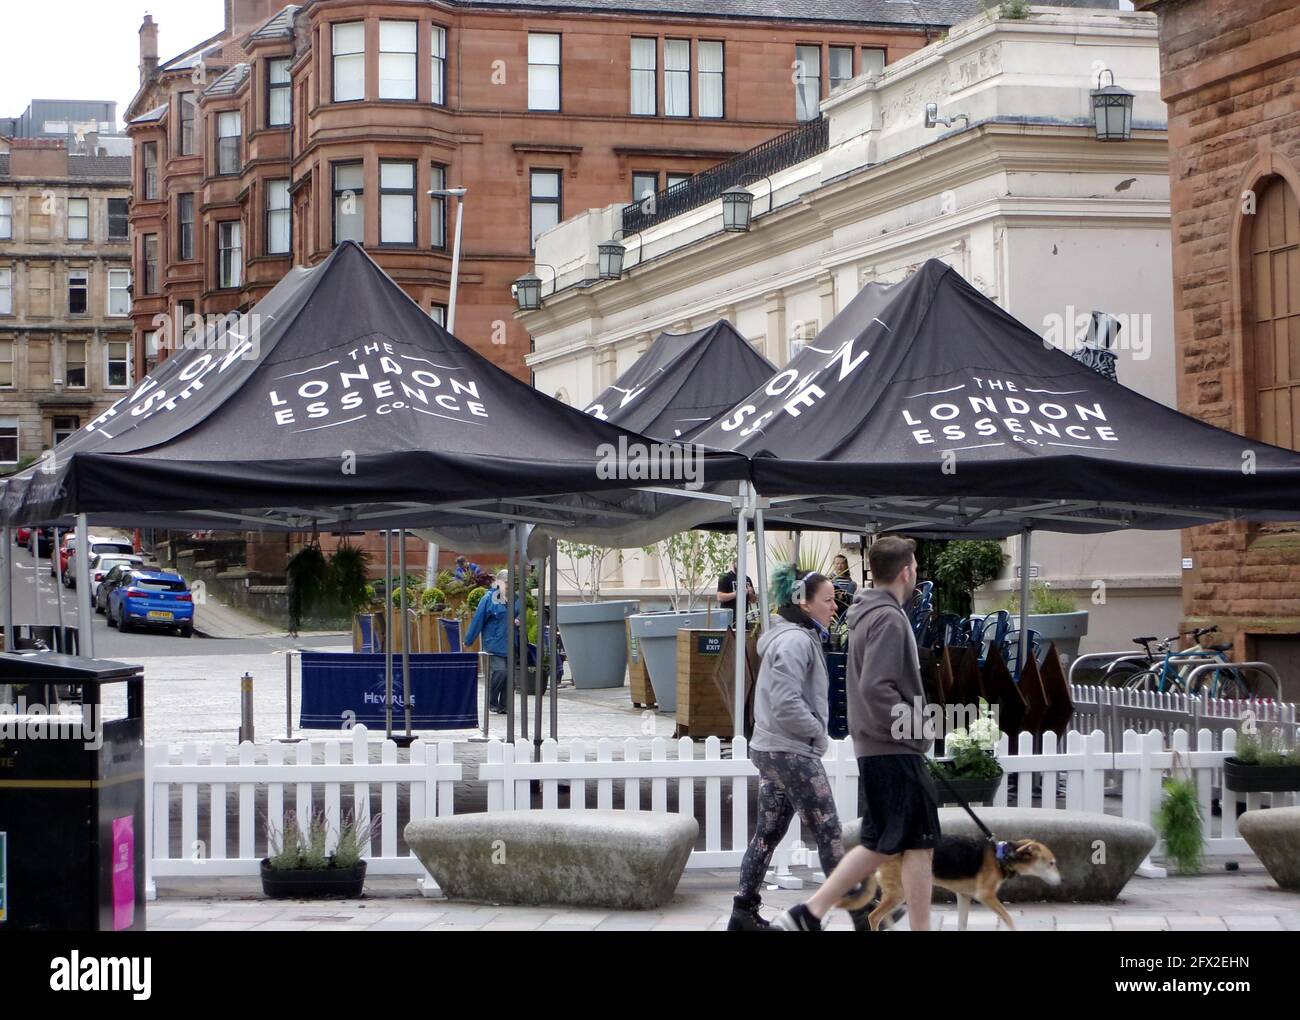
976, 791
656, 637
1260, 778
1065, 630
700, 710
638, 680
301, 884
595, 641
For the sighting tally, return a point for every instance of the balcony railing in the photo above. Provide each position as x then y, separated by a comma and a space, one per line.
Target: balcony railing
775, 154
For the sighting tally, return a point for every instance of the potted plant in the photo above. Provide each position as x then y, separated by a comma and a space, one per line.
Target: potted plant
595, 638
300, 867
971, 766
695, 560
1263, 762
1180, 825
1053, 618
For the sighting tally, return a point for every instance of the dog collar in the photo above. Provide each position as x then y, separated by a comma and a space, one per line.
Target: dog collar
1003, 852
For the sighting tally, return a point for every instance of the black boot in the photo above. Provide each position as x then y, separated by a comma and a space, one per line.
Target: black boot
745, 915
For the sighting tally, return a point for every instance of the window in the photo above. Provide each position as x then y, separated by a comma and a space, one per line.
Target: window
74, 364
230, 254
841, 65
675, 179
117, 368
544, 189
6, 364
438, 313
185, 143
807, 81
349, 209
677, 77
439, 65
117, 219
78, 219
397, 42
228, 130
277, 217
6, 292
644, 183
438, 216
8, 440
185, 321
543, 71
873, 60
349, 51
711, 76
151, 263
644, 71
150, 170
185, 227
1271, 318
396, 202
119, 292
64, 426
78, 287
6, 218
279, 95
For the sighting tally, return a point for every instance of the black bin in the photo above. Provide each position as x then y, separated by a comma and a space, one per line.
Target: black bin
72, 835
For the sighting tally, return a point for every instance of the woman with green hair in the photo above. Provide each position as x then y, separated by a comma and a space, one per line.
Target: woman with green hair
791, 711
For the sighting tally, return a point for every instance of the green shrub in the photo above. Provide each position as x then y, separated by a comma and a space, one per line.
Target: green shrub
1180, 825
1042, 600
474, 597
432, 598
353, 841
960, 567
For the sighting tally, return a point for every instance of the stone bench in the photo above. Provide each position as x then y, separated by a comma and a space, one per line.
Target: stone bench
1077, 838
628, 860
1274, 835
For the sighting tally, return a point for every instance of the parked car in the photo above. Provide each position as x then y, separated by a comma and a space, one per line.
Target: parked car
98, 547
101, 564
22, 535
115, 576
150, 598
42, 538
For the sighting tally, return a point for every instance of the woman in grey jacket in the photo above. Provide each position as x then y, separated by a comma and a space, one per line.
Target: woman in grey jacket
790, 716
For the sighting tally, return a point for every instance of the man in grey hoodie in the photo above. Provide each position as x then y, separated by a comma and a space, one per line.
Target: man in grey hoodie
886, 704
790, 716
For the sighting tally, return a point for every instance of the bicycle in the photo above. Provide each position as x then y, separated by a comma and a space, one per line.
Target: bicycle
1168, 667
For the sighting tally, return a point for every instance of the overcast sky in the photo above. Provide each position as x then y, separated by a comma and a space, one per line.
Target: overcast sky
90, 49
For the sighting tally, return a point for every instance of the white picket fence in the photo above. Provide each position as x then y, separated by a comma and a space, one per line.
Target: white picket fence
1073, 773
1114, 710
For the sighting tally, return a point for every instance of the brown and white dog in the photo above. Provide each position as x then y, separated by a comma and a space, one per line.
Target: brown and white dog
973, 869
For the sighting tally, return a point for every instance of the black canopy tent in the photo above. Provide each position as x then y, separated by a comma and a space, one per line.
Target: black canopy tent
683, 382
336, 403
923, 407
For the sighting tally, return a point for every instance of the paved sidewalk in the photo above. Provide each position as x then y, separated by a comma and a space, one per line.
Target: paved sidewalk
1246, 900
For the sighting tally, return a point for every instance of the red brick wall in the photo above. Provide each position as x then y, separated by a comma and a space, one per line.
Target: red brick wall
1229, 73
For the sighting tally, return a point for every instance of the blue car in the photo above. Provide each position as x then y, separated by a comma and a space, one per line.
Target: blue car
152, 598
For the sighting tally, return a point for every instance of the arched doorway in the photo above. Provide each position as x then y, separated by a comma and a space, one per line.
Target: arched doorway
1272, 320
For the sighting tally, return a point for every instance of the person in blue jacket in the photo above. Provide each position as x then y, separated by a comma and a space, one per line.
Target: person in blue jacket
490, 620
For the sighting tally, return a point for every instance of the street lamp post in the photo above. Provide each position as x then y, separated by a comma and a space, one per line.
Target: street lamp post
431, 565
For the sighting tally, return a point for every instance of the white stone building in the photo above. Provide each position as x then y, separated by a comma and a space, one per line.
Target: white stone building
1017, 193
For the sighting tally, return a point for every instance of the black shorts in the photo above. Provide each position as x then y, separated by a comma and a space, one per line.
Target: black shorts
898, 802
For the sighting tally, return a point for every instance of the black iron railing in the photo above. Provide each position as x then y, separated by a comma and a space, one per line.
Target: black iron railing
775, 154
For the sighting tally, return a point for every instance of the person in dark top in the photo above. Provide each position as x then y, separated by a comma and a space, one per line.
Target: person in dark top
727, 589
845, 588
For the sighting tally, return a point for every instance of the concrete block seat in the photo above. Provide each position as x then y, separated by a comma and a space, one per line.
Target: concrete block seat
1274, 835
627, 860
1095, 854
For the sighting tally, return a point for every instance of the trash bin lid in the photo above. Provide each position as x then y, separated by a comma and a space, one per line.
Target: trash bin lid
55, 668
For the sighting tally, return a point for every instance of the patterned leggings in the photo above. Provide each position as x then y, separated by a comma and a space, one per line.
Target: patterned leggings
789, 783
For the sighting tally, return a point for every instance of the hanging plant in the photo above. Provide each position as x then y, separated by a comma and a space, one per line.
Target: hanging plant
349, 570
309, 580
1180, 824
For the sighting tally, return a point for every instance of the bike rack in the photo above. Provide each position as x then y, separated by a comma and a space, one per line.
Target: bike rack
1111, 657
1258, 667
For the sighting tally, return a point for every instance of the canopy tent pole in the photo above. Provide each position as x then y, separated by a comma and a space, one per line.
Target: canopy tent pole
406, 635
1025, 541
431, 566
542, 664
388, 634
863, 548
521, 640
56, 562
7, 538
760, 555
85, 619
512, 586
553, 547
794, 556
738, 614
36, 575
